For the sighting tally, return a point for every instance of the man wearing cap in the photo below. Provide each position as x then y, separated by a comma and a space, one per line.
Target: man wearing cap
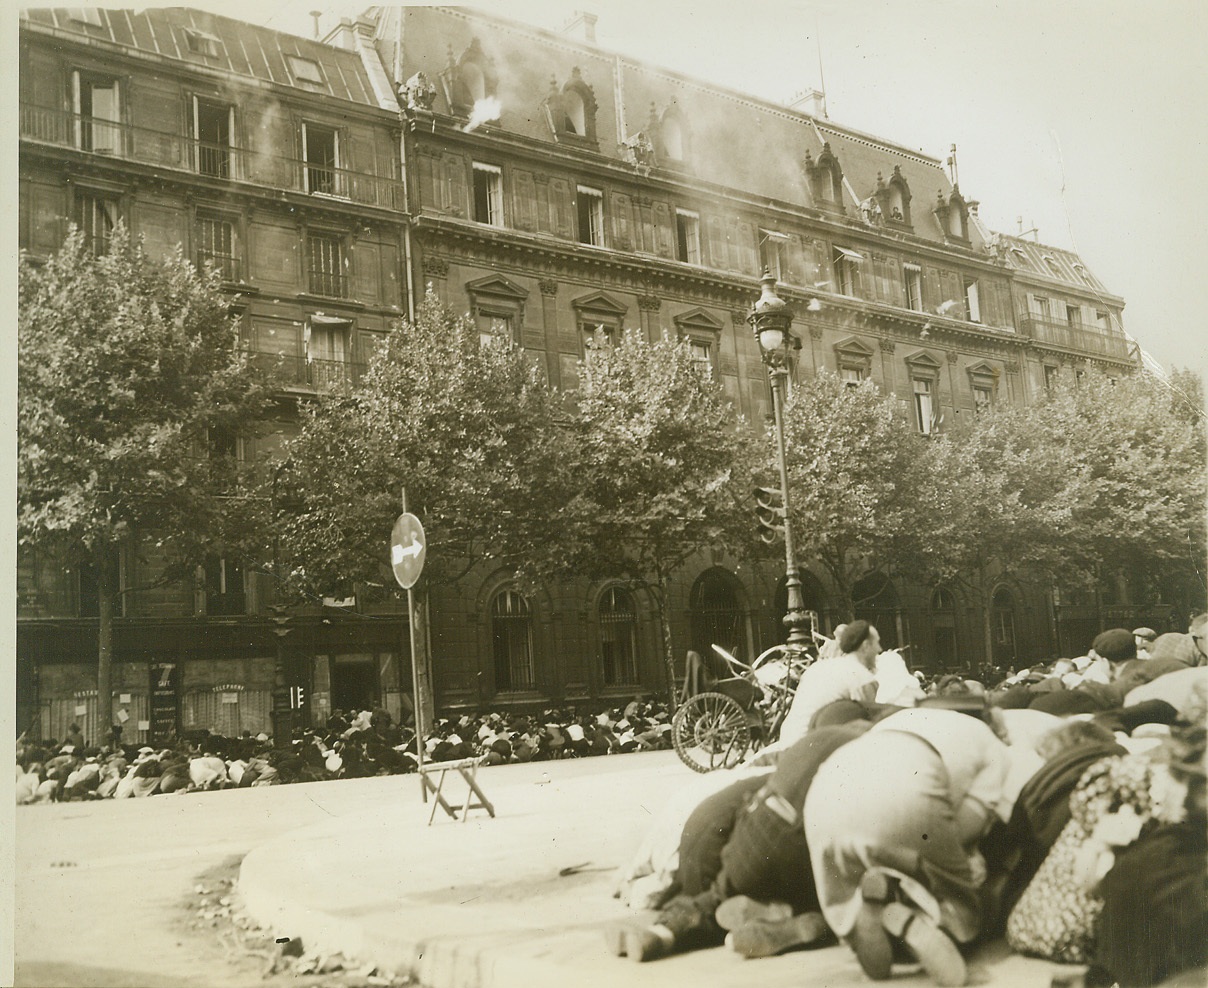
1144, 637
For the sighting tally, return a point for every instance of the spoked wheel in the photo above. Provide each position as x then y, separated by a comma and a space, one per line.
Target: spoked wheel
710, 731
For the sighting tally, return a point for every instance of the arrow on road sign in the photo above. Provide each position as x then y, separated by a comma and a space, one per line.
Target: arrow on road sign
399, 552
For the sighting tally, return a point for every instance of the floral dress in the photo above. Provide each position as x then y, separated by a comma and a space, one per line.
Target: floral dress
1114, 802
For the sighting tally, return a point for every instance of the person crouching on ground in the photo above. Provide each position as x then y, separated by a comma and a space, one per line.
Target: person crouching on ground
898, 812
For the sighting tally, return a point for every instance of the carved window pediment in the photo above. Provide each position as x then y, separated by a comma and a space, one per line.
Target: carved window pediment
922, 362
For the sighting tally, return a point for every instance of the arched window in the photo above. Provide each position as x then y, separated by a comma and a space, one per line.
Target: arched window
618, 637
1003, 605
673, 137
512, 641
876, 601
574, 117
943, 628
715, 616
473, 81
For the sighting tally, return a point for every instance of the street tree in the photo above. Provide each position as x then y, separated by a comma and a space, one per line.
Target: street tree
132, 390
1087, 484
658, 455
466, 425
855, 485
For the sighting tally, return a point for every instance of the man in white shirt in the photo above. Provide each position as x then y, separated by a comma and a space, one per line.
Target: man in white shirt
848, 676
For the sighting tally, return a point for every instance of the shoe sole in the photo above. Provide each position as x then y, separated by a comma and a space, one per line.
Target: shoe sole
868, 937
740, 910
935, 950
765, 939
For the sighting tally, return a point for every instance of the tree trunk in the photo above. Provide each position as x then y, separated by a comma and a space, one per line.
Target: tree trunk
987, 619
660, 597
104, 666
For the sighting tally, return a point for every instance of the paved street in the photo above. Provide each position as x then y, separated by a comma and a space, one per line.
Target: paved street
351, 866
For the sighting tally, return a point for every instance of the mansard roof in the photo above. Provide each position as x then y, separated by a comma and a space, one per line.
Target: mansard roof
725, 124
1054, 263
237, 47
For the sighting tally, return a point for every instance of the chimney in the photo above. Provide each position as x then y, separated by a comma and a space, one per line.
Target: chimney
582, 27
811, 102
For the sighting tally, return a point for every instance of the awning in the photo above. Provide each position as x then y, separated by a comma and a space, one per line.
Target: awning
318, 319
849, 254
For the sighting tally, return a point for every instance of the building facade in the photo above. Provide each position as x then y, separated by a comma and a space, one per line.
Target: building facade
552, 190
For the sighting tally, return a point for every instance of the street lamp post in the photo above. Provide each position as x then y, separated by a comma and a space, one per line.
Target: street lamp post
771, 319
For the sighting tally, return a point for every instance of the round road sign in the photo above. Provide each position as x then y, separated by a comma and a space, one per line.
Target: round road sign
407, 550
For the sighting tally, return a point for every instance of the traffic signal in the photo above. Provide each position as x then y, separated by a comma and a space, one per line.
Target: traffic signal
769, 509
297, 697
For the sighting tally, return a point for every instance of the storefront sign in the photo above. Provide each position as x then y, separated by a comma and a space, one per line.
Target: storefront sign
165, 699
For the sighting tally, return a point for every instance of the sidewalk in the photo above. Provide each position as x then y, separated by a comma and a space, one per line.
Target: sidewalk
480, 904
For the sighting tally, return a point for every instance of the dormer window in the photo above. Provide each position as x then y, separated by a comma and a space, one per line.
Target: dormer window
571, 110
201, 43
305, 70
953, 214
894, 198
825, 179
673, 138
468, 78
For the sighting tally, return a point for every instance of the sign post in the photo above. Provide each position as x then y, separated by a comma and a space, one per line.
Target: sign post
408, 549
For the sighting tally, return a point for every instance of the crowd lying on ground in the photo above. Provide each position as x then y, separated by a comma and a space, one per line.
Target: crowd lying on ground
1064, 809
352, 745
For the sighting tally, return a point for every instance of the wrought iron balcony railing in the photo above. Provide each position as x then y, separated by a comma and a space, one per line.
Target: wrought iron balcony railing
309, 373
230, 268
1081, 338
107, 138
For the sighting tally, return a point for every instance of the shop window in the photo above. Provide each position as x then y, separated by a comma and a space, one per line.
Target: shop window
97, 105
618, 637
488, 194
512, 641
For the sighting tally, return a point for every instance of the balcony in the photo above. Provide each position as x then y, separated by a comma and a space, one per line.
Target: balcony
229, 268
328, 283
177, 152
311, 374
1080, 338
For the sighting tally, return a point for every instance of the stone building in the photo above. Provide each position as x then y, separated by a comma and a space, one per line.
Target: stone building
551, 189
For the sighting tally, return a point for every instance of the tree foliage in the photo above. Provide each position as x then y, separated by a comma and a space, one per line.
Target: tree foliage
468, 428
127, 370
855, 485
658, 455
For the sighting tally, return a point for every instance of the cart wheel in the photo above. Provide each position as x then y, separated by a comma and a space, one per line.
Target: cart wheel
710, 731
